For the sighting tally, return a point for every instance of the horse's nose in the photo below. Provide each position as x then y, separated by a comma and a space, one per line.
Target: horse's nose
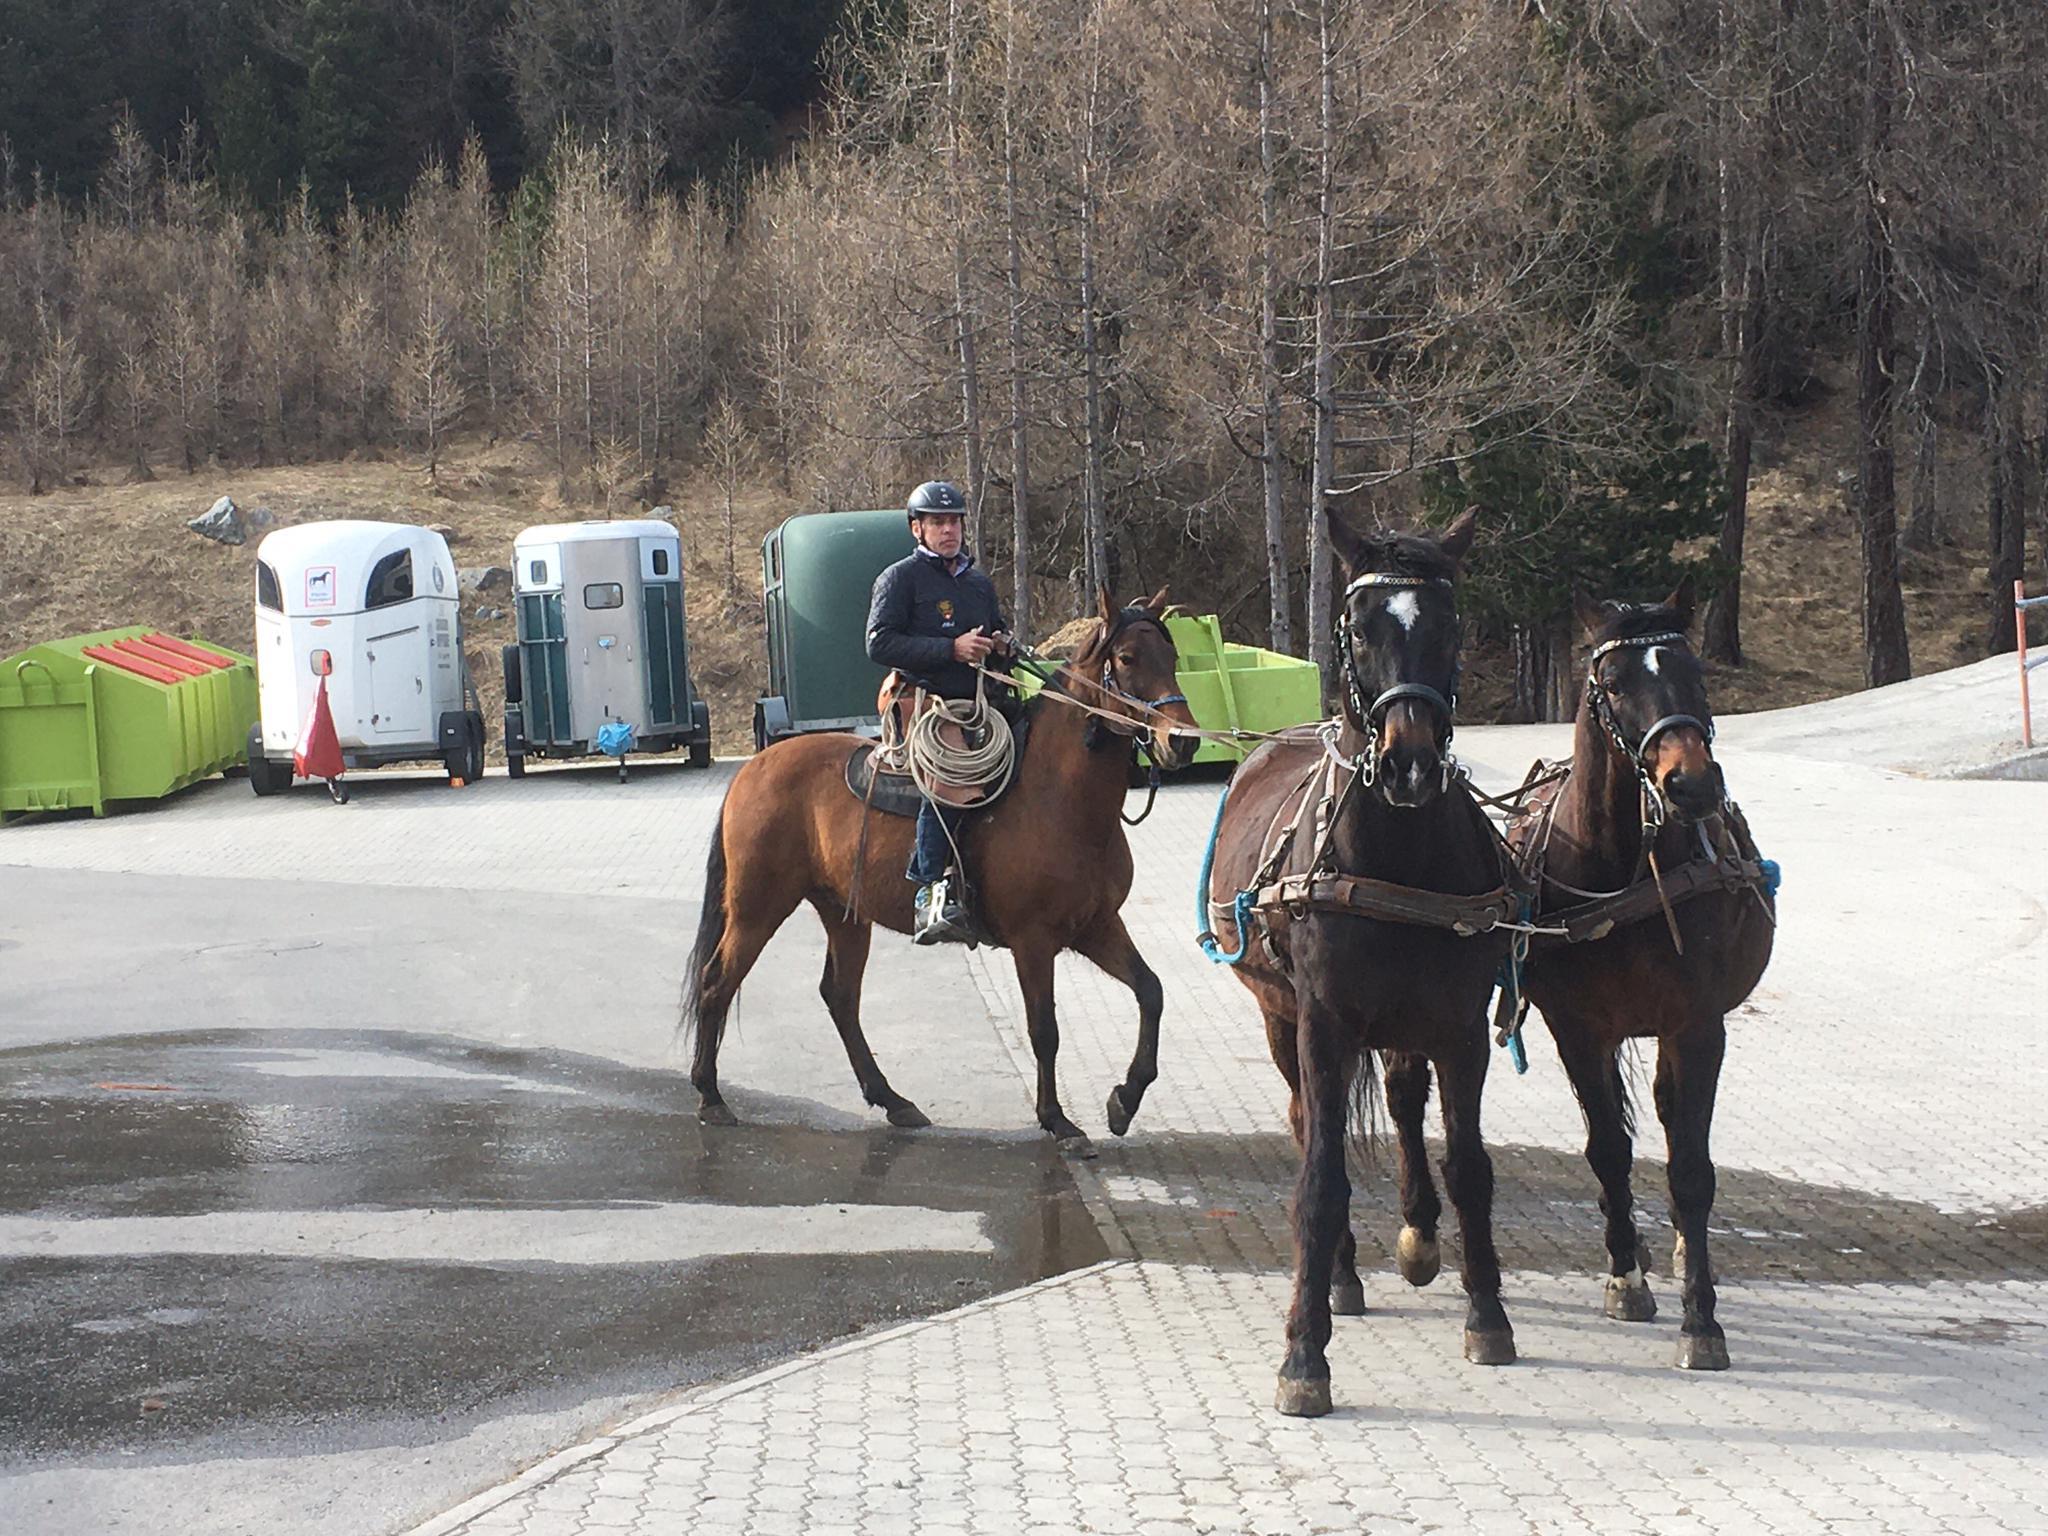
1410, 778
1694, 791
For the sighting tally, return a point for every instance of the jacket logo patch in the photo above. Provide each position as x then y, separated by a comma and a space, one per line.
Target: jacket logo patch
946, 609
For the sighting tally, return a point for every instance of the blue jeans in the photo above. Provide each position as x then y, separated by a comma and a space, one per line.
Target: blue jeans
931, 853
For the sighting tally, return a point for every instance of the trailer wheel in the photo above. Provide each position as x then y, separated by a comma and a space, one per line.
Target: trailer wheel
263, 776
475, 760
700, 754
515, 689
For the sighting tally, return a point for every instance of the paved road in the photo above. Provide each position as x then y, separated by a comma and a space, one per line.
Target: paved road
1880, 1228
324, 1201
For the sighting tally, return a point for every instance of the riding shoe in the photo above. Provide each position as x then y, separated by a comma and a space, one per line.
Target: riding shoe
940, 917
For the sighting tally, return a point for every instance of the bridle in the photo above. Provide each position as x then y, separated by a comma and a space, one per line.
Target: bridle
1108, 683
1373, 716
1637, 754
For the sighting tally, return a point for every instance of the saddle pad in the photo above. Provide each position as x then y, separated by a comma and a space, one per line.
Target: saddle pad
893, 793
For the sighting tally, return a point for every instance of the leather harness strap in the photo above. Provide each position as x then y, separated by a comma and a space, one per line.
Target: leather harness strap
1357, 896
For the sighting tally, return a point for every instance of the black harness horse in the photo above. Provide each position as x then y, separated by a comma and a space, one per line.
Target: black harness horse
1378, 885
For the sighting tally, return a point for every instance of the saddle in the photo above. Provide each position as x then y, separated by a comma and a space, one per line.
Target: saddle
876, 775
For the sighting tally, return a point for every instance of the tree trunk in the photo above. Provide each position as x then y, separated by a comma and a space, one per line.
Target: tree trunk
1885, 653
1093, 514
1323, 470
1020, 403
1531, 650
1923, 523
963, 309
1280, 622
2006, 508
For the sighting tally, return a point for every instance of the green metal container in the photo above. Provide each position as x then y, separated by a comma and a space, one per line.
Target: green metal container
125, 714
1236, 687
818, 574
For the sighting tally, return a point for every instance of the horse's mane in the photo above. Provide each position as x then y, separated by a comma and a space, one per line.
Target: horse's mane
1406, 554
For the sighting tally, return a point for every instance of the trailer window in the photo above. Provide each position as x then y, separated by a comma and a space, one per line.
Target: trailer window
390, 581
267, 594
661, 562
604, 594
537, 572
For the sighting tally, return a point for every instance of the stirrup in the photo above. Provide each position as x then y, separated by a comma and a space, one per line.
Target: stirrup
940, 917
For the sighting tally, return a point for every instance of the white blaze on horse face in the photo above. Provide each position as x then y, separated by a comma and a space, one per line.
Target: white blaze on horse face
1650, 659
1405, 609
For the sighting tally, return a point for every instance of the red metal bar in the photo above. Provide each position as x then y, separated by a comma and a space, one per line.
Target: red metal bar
177, 664
135, 664
190, 652
2019, 624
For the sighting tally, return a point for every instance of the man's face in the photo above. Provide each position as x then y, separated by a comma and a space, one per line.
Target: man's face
941, 533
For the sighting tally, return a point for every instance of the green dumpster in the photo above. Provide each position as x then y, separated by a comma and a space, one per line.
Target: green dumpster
1237, 687
125, 714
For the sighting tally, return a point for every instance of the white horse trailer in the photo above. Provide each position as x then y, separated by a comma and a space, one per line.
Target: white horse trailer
373, 607
601, 664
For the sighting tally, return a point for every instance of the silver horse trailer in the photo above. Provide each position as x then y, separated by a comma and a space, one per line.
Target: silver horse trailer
601, 666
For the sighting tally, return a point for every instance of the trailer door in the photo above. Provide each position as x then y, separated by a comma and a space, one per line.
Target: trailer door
601, 597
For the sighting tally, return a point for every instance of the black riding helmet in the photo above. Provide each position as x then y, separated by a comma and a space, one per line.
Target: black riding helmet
937, 496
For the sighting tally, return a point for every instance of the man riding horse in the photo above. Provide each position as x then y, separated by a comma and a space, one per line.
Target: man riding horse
934, 619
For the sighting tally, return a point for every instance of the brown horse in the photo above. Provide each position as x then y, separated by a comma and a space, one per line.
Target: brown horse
1644, 785
1050, 859
1336, 986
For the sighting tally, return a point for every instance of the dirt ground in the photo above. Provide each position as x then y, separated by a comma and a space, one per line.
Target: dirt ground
109, 553
96, 556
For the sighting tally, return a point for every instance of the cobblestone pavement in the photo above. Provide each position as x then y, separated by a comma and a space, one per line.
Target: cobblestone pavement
1882, 1229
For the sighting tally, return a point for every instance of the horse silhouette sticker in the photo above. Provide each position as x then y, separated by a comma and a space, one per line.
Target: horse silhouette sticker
319, 586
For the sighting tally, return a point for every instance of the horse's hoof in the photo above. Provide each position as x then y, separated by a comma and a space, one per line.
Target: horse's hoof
1119, 1117
1494, 1347
1702, 1352
1347, 1298
1630, 1303
908, 1116
1078, 1146
716, 1114
1417, 1257
1303, 1399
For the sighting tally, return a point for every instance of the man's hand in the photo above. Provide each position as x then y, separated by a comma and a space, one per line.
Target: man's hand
972, 648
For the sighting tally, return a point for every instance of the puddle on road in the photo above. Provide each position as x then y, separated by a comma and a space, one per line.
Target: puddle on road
261, 1343
1547, 1218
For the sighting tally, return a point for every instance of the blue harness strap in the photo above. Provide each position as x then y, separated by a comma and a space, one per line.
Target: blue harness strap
1240, 906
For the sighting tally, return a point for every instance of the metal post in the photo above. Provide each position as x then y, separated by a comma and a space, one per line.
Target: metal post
2019, 624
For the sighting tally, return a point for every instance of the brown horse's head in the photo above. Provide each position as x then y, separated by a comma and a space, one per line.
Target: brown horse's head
1132, 660
1397, 652
1645, 688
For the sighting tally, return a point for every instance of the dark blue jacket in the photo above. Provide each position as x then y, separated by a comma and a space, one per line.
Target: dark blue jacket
920, 606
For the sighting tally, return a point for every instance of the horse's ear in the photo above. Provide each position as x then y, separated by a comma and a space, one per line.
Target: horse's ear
1354, 547
1457, 539
1156, 603
1592, 616
1105, 607
1682, 600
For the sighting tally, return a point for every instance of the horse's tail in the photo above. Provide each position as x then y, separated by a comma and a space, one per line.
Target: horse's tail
1366, 1100
704, 954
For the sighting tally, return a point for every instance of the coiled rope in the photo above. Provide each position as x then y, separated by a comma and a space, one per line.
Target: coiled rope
935, 763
